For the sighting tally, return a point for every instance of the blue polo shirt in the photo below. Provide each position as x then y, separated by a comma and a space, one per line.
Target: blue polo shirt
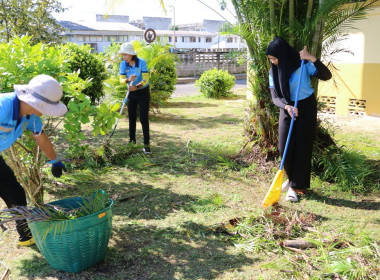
139, 68
306, 90
11, 126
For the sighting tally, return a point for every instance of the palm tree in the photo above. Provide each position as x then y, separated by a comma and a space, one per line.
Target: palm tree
304, 23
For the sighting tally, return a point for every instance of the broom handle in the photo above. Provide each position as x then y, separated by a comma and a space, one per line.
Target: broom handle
292, 121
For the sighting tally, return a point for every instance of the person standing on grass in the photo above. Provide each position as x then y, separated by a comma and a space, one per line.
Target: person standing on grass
284, 75
134, 70
20, 111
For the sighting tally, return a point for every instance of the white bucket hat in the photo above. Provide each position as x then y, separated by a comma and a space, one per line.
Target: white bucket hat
43, 93
127, 48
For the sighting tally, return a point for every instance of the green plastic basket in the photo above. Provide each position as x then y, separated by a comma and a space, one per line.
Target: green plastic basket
74, 245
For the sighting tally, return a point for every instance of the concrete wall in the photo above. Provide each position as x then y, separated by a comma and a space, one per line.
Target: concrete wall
356, 88
195, 64
157, 23
112, 18
212, 25
207, 25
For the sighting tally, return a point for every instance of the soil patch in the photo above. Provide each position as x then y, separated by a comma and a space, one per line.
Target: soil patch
354, 123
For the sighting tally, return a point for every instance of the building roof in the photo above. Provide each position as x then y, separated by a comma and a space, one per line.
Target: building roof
74, 26
100, 26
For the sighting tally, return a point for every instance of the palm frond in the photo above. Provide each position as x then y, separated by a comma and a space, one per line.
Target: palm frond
343, 16
209, 204
343, 166
51, 212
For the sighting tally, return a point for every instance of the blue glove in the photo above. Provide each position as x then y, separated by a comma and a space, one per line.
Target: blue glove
57, 168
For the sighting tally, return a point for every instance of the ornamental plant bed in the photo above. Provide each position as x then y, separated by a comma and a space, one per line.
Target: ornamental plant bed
71, 233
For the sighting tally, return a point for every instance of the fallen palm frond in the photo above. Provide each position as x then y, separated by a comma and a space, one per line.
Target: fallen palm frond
50, 212
302, 249
209, 204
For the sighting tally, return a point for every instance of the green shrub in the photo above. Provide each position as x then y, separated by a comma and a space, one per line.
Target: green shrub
349, 169
114, 90
90, 65
112, 59
238, 57
162, 69
21, 60
161, 65
216, 83
163, 79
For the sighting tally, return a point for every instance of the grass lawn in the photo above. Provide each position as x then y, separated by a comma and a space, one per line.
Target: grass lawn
190, 212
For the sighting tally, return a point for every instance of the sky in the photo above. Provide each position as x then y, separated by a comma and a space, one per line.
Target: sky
186, 11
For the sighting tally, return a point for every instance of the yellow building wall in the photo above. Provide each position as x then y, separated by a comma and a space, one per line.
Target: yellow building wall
355, 87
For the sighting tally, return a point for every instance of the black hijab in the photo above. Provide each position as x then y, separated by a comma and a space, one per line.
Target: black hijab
288, 62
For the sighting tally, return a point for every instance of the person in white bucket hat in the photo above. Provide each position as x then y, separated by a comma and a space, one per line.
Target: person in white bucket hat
20, 111
127, 48
43, 93
134, 70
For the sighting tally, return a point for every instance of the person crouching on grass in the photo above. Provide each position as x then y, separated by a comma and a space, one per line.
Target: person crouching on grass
20, 111
135, 71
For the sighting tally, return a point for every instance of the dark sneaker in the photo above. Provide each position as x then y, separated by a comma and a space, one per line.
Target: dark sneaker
132, 142
26, 242
146, 150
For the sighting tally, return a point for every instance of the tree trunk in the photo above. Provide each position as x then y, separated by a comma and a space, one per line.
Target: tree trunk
317, 35
272, 17
291, 23
309, 10
5, 20
29, 176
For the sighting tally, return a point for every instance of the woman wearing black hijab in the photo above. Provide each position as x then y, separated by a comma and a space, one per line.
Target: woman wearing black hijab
284, 76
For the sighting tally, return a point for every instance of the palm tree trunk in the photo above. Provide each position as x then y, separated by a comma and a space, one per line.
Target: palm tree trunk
309, 9
272, 17
317, 35
291, 22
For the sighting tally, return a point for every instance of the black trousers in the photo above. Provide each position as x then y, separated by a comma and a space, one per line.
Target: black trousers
139, 98
13, 194
298, 158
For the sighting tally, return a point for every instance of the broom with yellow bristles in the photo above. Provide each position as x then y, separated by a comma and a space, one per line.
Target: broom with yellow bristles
274, 192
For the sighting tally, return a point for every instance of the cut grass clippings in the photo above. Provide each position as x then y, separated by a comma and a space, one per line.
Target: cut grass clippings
190, 211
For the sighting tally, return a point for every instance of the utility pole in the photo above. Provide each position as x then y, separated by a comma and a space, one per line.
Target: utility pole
174, 25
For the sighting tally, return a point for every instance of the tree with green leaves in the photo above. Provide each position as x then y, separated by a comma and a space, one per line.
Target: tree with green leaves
20, 61
162, 70
33, 18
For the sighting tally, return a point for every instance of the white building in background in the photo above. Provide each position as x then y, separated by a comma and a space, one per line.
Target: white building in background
200, 40
101, 34
114, 28
207, 25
